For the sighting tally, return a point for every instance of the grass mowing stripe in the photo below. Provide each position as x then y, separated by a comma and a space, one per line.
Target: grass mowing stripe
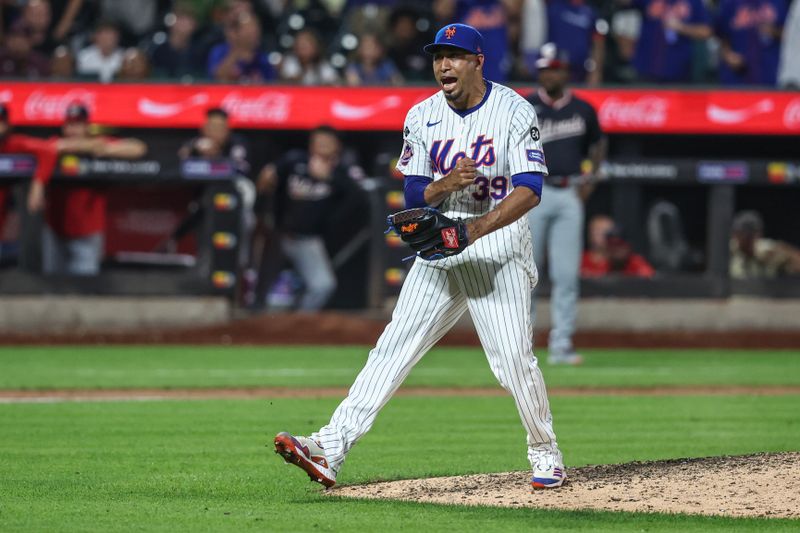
216, 366
202, 466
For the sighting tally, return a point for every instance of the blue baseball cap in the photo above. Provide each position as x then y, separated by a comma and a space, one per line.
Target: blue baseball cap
457, 36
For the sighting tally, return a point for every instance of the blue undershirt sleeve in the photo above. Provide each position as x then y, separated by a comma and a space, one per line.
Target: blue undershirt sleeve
414, 190
531, 180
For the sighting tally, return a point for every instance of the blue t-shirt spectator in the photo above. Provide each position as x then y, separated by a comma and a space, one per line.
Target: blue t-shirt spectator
571, 26
490, 18
256, 69
751, 29
663, 54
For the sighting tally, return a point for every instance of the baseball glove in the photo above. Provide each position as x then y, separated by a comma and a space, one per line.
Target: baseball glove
429, 233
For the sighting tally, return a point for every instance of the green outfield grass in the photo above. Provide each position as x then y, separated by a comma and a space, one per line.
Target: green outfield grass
212, 366
206, 466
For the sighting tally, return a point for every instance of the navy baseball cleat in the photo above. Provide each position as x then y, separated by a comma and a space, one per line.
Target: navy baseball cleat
308, 455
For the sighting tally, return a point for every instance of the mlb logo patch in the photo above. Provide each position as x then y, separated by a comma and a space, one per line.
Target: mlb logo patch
450, 238
535, 156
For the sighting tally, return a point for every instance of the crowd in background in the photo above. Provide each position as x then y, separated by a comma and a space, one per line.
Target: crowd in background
358, 42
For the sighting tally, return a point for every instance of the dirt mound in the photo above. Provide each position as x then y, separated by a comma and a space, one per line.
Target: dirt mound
762, 485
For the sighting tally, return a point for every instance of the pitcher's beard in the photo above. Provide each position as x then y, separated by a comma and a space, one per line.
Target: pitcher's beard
454, 96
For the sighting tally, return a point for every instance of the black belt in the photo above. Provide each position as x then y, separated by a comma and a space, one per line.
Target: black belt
561, 182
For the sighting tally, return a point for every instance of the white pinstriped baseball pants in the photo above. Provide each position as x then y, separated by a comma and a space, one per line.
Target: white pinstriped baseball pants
434, 296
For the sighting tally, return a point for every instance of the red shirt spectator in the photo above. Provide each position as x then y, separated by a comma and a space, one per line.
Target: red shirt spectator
80, 211
72, 241
609, 253
595, 266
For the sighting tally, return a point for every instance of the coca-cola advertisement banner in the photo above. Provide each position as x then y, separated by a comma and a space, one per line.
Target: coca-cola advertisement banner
285, 107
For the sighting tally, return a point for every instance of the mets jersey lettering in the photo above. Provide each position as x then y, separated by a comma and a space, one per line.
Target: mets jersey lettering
501, 134
440, 150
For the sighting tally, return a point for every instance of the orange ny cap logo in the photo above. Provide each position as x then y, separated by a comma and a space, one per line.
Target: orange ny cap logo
408, 228
449, 32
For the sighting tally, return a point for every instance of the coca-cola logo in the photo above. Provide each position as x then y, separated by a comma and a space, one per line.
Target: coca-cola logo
41, 105
266, 107
647, 111
791, 115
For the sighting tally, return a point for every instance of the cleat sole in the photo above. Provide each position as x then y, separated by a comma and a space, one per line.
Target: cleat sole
285, 448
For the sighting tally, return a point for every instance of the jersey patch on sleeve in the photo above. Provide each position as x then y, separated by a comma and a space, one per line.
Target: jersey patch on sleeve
535, 156
408, 153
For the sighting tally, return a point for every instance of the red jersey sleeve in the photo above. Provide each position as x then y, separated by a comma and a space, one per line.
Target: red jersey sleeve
44, 150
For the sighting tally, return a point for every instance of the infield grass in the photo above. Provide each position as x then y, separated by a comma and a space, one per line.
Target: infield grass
205, 466
219, 366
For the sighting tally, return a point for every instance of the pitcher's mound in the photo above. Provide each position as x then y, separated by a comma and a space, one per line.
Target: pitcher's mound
763, 485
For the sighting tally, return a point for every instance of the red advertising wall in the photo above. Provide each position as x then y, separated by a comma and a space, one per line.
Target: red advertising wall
282, 107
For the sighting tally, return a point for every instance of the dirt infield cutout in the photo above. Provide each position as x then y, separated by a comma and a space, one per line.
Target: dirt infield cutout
762, 485
119, 395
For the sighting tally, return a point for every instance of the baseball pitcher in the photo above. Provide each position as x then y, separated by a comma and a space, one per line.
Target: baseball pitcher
473, 167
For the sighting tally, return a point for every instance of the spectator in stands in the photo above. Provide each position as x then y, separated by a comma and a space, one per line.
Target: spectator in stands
665, 46
371, 66
756, 257
306, 64
51, 21
311, 189
574, 27
38, 18
72, 239
103, 59
17, 57
135, 66
134, 20
62, 64
609, 253
626, 25
240, 58
533, 33
789, 70
405, 45
750, 41
45, 153
68, 17
490, 17
180, 55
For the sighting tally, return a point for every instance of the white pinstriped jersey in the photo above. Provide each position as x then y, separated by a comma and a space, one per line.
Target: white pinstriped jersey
501, 134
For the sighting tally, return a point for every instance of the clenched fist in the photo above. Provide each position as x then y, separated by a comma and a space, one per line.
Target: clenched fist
462, 175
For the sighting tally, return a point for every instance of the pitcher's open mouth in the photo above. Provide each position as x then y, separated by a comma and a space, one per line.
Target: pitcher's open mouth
449, 83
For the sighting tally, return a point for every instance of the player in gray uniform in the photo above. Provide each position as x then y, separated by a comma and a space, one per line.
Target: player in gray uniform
471, 150
575, 146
